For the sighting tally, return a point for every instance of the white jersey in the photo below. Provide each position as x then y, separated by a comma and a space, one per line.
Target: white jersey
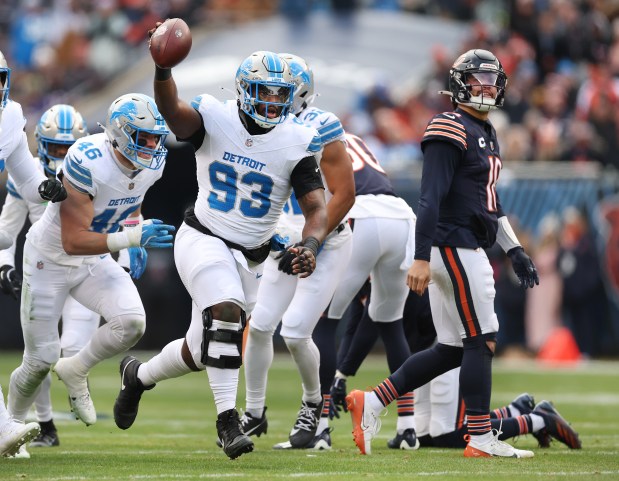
90, 167
15, 155
243, 179
14, 213
330, 130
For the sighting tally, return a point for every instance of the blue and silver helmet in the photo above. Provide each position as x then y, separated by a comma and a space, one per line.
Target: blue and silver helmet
58, 129
5, 82
127, 118
303, 79
264, 88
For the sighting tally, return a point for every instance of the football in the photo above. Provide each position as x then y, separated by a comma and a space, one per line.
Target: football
170, 43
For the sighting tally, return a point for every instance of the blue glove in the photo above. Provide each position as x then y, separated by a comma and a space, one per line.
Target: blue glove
137, 261
523, 267
156, 234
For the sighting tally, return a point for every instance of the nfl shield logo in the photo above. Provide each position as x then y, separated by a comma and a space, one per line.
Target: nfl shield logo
40, 265
249, 142
131, 186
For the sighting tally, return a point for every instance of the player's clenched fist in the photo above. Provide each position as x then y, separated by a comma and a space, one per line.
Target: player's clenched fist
299, 258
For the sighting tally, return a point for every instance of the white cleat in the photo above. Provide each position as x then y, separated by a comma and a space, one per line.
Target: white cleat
494, 448
22, 453
79, 394
14, 435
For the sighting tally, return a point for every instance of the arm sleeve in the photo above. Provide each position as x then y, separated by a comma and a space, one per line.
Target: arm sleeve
25, 172
12, 220
306, 177
439, 164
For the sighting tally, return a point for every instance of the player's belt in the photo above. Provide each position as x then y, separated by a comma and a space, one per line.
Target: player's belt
258, 254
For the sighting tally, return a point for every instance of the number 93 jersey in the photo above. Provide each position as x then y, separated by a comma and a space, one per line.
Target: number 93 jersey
244, 179
90, 168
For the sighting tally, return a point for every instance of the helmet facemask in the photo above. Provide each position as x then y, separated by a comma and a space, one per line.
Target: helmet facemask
134, 122
264, 89
58, 129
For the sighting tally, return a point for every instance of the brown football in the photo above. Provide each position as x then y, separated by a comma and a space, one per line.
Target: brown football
170, 43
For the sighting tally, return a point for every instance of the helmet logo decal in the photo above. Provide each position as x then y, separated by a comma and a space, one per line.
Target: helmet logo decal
128, 109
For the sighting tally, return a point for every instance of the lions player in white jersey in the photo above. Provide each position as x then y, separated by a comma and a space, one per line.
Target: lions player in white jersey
249, 159
59, 127
67, 252
16, 157
299, 303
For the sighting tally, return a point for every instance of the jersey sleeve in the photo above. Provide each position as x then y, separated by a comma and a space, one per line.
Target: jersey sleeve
76, 172
24, 170
446, 127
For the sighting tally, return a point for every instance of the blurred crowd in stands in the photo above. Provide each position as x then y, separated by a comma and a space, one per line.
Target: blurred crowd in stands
562, 104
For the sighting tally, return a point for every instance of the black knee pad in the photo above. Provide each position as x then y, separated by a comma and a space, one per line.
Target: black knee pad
221, 335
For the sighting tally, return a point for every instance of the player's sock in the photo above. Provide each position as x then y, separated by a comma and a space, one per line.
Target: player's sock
323, 423
357, 345
43, 400
406, 412
512, 427
167, 364
307, 358
476, 383
224, 381
385, 392
258, 359
537, 422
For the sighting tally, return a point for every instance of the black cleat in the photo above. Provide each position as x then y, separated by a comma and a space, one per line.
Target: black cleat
131, 389
407, 440
322, 441
556, 426
233, 441
524, 403
45, 439
254, 426
305, 427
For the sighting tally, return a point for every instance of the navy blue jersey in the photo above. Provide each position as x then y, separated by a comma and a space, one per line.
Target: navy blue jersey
459, 205
370, 178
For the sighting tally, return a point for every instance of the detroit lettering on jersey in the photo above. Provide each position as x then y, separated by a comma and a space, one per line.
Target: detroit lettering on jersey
124, 201
242, 160
469, 210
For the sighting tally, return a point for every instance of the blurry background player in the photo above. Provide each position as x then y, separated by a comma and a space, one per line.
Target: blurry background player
13, 434
299, 302
383, 246
59, 127
459, 216
249, 159
67, 252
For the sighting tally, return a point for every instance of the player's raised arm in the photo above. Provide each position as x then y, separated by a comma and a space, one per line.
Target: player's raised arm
181, 118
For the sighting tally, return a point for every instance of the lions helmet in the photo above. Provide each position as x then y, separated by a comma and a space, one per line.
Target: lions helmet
129, 116
485, 69
260, 77
5, 82
303, 79
60, 126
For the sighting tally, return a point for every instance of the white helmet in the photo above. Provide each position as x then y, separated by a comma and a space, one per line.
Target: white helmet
5, 82
264, 74
127, 117
61, 124
303, 79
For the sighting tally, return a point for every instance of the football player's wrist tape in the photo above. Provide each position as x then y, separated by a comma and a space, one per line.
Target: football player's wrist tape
505, 236
129, 236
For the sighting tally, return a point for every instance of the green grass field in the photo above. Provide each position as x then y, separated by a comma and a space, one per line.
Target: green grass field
174, 435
